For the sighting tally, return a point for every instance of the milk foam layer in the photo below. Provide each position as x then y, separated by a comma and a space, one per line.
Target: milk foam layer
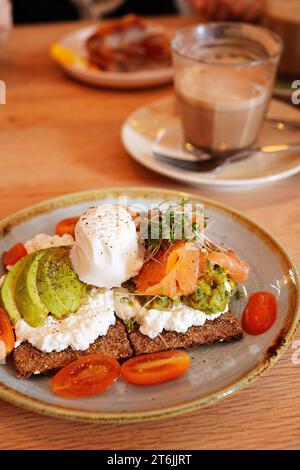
221, 91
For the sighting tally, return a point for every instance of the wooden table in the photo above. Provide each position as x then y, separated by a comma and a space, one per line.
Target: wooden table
57, 136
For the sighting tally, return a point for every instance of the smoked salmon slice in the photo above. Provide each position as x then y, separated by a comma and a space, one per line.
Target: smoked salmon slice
173, 272
236, 268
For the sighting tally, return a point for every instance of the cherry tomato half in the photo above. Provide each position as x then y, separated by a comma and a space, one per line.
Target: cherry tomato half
14, 254
66, 226
86, 376
7, 338
150, 369
260, 313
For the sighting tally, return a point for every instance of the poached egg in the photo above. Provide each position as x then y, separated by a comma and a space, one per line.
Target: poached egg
106, 251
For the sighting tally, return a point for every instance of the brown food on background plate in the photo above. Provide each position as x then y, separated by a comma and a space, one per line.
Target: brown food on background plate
128, 44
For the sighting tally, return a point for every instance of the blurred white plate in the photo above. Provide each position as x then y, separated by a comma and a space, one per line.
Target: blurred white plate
76, 40
144, 125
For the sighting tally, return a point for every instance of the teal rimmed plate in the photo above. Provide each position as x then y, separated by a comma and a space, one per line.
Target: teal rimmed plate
216, 371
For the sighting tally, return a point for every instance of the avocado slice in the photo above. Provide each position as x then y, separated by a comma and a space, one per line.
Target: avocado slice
45, 287
8, 288
63, 279
28, 300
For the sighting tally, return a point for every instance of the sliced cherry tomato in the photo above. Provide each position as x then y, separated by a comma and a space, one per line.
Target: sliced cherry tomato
86, 376
14, 254
7, 338
150, 369
66, 226
260, 313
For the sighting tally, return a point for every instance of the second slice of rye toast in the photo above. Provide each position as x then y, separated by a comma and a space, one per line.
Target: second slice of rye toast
223, 328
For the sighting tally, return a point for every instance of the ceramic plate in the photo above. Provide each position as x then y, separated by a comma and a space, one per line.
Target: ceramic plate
129, 80
216, 371
142, 128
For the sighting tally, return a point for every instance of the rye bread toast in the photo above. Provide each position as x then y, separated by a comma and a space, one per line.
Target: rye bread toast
223, 328
28, 360
121, 345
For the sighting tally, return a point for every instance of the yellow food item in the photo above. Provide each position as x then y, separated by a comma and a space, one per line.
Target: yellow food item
64, 56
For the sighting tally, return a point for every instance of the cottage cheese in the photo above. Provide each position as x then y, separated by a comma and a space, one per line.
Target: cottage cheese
78, 330
42, 241
152, 322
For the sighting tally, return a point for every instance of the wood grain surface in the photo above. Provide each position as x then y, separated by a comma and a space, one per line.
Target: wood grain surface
58, 136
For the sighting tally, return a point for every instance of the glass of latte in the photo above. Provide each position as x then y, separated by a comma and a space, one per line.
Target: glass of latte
224, 77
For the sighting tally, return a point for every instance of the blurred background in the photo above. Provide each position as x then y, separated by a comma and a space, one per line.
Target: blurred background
35, 11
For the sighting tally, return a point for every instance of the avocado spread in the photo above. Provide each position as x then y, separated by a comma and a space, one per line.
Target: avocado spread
161, 302
211, 295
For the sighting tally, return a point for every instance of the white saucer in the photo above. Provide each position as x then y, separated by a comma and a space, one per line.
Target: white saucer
76, 40
143, 127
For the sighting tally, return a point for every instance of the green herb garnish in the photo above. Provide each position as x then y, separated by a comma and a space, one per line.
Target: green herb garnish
163, 226
238, 295
129, 324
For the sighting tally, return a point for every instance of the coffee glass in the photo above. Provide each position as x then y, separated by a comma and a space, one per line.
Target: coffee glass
224, 77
